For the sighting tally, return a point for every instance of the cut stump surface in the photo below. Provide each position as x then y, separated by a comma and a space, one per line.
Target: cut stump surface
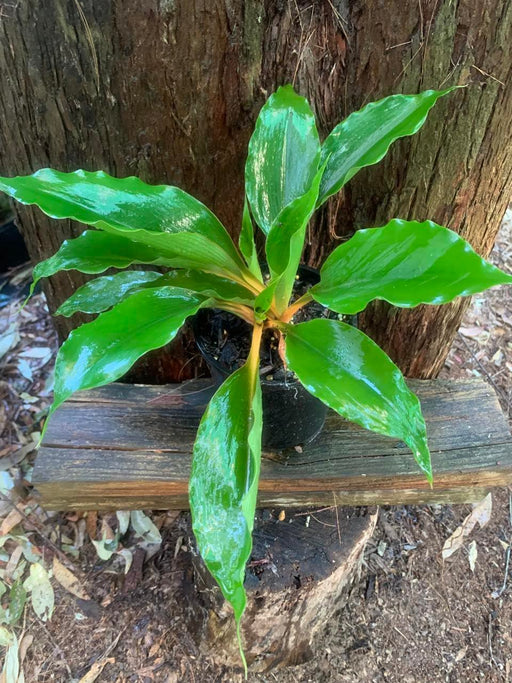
299, 576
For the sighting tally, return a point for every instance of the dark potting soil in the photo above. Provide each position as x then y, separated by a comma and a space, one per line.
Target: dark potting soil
227, 338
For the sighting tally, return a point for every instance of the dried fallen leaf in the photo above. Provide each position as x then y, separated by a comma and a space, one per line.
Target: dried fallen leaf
461, 654
6, 637
91, 523
96, 670
13, 562
25, 643
68, 580
481, 513
11, 669
37, 352
13, 518
9, 338
472, 555
144, 527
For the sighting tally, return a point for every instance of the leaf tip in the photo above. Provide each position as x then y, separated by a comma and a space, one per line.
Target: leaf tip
240, 645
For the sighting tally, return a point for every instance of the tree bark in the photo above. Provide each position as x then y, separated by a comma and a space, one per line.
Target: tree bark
169, 91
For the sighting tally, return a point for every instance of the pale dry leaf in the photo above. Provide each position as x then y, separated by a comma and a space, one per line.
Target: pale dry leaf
25, 643
6, 637
91, 523
68, 580
13, 562
480, 514
461, 654
123, 519
144, 527
482, 511
96, 670
13, 518
11, 669
37, 352
107, 533
9, 338
472, 555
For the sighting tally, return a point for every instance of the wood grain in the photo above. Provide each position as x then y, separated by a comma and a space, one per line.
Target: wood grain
129, 447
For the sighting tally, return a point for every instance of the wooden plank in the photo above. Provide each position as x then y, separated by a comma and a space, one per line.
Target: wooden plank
129, 446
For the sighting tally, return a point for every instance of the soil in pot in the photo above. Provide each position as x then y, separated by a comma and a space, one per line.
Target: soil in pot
291, 415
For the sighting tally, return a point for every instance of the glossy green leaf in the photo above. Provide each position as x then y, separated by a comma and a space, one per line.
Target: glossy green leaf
283, 156
346, 370
102, 293
263, 301
224, 480
164, 217
285, 241
405, 263
247, 244
364, 137
209, 285
94, 252
101, 351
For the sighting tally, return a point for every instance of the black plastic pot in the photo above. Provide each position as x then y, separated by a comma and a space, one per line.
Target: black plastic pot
13, 251
291, 415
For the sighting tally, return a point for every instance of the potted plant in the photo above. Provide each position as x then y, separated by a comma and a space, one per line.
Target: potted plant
289, 174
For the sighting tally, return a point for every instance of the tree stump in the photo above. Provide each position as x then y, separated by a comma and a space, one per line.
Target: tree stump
299, 576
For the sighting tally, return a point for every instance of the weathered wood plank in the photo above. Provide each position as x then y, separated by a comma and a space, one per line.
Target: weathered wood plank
126, 446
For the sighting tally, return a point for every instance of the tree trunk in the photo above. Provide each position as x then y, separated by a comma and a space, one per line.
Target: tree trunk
169, 91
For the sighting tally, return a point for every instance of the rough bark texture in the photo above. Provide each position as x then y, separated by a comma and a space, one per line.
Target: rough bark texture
170, 90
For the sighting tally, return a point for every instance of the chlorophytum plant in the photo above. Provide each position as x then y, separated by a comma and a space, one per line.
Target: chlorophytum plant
289, 174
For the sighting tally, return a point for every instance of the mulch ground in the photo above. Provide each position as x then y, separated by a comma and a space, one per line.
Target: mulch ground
412, 616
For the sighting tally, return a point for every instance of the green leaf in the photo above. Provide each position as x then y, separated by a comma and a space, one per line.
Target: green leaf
224, 479
207, 284
17, 600
346, 370
285, 241
405, 263
183, 230
364, 137
43, 599
247, 244
102, 293
101, 351
264, 300
93, 252
283, 157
